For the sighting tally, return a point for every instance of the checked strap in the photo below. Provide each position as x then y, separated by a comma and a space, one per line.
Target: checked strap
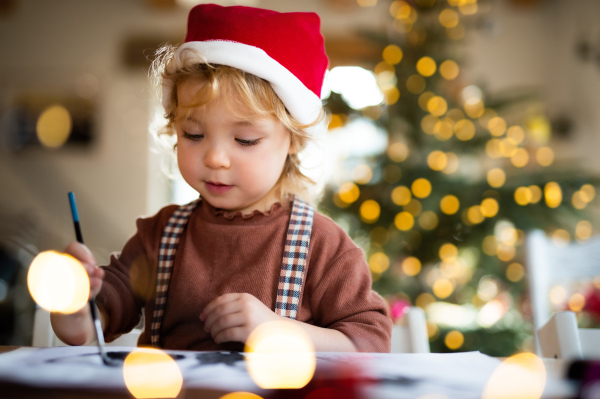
293, 265
166, 257
295, 254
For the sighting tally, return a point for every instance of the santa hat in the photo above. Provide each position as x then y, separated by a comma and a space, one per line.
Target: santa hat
285, 49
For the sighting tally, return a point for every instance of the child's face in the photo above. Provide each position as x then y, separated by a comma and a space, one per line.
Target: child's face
233, 163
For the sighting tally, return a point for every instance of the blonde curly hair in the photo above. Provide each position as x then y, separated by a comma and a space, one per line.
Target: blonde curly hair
171, 67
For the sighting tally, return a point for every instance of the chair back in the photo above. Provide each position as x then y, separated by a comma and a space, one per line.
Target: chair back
550, 265
409, 334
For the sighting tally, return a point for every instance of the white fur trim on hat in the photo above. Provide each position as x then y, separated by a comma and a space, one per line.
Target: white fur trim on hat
301, 103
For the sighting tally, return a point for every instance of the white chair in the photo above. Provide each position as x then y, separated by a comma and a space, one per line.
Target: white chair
43, 335
409, 334
557, 335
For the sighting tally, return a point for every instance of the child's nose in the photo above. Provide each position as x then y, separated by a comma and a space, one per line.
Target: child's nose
216, 158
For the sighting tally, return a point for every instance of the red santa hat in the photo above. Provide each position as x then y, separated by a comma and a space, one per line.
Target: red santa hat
285, 49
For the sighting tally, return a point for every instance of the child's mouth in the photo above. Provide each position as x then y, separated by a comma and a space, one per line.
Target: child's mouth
217, 187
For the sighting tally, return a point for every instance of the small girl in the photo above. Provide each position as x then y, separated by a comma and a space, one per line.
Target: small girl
242, 96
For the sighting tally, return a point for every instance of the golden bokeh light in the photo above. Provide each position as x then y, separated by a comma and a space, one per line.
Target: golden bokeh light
519, 376
516, 134
369, 211
448, 252
414, 207
58, 282
428, 220
552, 194
448, 18
442, 288
437, 106
391, 95
411, 266
400, 9
401, 195
241, 395
454, 339
437, 160
453, 163
379, 262
489, 207
523, 196
335, 121
151, 373
392, 54
464, 129
425, 299
539, 129
506, 253
424, 99
520, 158
515, 272
474, 107
54, 126
497, 126
507, 147
544, 156
449, 69
496, 177
576, 302
469, 8
421, 188
474, 215
348, 192
583, 230
280, 355
489, 245
577, 200
449, 204
493, 148
398, 151
415, 84
404, 221
429, 123
426, 66
443, 129
536, 194
588, 192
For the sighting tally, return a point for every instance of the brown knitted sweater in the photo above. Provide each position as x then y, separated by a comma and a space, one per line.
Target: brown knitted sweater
222, 253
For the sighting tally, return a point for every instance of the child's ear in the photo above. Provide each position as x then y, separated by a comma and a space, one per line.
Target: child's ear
293, 146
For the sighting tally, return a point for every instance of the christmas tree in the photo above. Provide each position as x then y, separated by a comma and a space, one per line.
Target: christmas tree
443, 212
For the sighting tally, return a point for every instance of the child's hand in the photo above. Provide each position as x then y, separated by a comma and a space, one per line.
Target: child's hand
83, 254
232, 317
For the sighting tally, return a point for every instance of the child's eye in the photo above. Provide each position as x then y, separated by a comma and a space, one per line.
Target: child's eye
248, 142
193, 137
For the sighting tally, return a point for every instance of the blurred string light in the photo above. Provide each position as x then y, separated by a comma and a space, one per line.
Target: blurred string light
552, 194
151, 373
58, 282
241, 395
279, 355
357, 86
54, 126
520, 376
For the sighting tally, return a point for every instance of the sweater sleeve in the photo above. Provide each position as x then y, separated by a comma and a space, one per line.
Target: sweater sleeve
338, 288
130, 277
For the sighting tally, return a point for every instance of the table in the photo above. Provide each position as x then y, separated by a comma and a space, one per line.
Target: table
76, 372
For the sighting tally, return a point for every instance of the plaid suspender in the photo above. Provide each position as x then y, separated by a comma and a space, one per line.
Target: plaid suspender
293, 265
166, 255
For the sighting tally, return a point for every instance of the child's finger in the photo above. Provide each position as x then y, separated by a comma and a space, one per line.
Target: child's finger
219, 311
220, 300
235, 334
81, 253
227, 322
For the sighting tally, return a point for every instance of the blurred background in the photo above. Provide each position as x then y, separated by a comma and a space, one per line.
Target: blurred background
457, 128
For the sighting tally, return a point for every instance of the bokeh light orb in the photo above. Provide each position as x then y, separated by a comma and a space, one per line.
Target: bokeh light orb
280, 355
151, 373
58, 282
